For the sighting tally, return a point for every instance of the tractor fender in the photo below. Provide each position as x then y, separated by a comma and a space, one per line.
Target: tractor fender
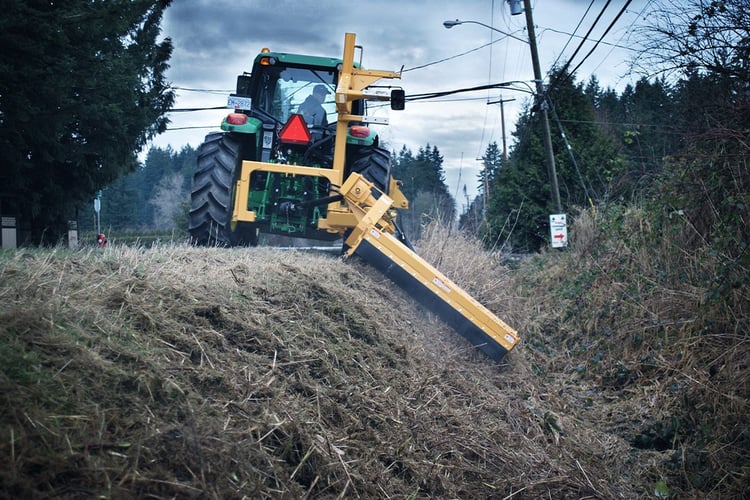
252, 126
370, 140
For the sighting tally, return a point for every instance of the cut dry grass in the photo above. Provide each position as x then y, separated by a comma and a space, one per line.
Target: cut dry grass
184, 372
177, 371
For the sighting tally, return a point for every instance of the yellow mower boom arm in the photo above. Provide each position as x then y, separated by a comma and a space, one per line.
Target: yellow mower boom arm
373, 240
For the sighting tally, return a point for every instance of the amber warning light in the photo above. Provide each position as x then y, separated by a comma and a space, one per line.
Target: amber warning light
295, 131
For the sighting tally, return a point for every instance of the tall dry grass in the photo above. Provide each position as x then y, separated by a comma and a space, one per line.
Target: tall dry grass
178, 371
182, 372
627, 335
628, 316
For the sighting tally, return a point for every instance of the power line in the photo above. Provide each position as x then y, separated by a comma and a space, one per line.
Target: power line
434, 95
190, 110
614, 45
189, 128
489, 79
455, 56
569, 74
625, 33
571, 35
218, 91
585, 37
611, 25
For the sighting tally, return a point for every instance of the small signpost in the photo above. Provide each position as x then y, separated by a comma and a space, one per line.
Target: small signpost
97, 209
72, 234
558, 228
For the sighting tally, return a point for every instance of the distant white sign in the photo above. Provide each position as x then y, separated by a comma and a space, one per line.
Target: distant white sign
558, 227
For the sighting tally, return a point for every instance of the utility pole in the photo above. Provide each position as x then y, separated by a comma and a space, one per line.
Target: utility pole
502, 125
542, 103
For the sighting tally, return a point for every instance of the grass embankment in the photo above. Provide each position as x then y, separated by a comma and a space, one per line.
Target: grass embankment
217, 373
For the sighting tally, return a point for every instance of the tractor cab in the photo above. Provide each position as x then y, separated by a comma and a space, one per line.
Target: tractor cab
281, 85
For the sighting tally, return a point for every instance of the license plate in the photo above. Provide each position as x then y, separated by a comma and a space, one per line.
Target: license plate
237, 102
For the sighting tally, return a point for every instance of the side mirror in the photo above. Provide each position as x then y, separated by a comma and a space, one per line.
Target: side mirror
243, 85
398, 99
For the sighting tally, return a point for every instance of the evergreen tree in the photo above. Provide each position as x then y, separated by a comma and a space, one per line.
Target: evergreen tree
649, 118
83, 89
705, 182
608, 110
473, 218
587, 166
155, 196
492, 162
158, 165
424, 185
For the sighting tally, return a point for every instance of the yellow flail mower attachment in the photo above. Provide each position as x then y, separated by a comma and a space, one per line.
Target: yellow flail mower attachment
373, 240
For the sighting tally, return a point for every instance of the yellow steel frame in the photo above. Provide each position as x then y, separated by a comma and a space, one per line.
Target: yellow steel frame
372, 217
375, 226
352, 83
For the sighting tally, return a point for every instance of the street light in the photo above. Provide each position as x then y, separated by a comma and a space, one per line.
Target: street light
450, 24
515, 7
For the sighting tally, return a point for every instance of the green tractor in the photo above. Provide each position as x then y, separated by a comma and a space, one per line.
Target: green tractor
297, 158
249, 180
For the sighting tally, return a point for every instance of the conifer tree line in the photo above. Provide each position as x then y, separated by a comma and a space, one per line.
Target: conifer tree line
677, 139
675, 143
423, 179
83, 90
156, 196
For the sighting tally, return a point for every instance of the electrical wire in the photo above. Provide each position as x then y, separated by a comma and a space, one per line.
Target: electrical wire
611, 25
489, 79
434, 95
625, 33
190, 110
614, 45
216, 91
454, 57
585, 38
571, 35
573, 159
190, 128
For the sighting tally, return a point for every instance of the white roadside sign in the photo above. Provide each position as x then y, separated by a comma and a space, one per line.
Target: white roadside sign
558, 228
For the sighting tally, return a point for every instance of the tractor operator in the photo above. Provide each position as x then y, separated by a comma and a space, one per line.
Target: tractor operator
312, 110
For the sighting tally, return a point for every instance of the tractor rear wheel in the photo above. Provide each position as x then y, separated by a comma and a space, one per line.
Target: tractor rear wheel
374, 164
219, 160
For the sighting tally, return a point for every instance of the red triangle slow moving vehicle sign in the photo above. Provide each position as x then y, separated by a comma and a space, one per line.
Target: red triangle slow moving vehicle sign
295, 131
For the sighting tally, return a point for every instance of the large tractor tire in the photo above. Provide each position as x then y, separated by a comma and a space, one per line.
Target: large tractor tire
219, 159
374, 163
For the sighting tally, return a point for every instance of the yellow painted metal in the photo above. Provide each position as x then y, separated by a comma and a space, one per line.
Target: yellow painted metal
399, 199
450, 293
242, 189
338, 220
351, 85
352, 82
368, 210
375, 226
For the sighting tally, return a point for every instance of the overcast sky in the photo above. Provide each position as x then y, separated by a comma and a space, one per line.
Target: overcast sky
215, 40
